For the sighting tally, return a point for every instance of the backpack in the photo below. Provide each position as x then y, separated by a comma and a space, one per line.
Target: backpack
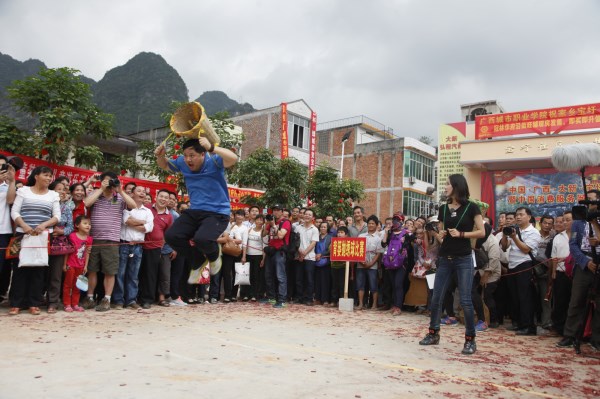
293, 244
481, 258
395, 253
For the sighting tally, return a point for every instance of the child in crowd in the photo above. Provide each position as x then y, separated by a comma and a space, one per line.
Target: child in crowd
76, 263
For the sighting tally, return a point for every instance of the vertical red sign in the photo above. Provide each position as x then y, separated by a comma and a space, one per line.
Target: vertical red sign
284, 131
313, 142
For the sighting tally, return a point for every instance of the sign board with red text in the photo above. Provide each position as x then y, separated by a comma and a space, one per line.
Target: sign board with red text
352, 249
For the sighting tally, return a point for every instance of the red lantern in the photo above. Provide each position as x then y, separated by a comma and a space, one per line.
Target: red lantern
44, 152
174, 156
340, 200
177, 146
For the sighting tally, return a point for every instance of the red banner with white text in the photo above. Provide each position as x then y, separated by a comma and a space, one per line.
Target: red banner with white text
540, 121
79, 175
313, 142
284, 131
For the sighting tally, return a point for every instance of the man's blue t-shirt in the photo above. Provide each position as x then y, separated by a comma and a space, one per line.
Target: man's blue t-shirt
207, 188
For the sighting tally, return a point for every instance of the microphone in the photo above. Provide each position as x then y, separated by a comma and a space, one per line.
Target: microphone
575, 156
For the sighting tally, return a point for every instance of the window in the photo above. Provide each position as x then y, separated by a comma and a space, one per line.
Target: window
418, 166
415, 204
298, 131
323, 142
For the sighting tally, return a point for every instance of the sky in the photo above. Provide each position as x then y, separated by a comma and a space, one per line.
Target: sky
408, 64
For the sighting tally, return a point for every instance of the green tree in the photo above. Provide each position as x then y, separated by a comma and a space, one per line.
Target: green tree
330, 196
89, 156
426, 140
16, 140
62, 104
284, 180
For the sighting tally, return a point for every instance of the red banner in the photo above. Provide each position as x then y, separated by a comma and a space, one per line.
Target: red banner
79, 175
313, 142
236, 194
541, 121
351, 249
284, 131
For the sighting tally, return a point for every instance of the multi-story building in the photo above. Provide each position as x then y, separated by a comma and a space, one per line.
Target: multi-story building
397, 173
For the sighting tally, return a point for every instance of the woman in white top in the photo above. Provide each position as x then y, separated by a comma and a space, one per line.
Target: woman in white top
255, 254
238, 233
35, 209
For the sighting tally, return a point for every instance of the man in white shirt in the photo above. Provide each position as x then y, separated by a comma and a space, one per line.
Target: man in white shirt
561, 285
366, 273
305, 272
136, 223
523, 243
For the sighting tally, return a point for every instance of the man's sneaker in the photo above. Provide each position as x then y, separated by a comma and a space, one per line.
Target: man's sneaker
133, 305
145, 306
448, 321
566, 342
178, 302
279, 305
215, 266
432, 338
267, 301
104, 305
470, 346
117, 306
214, 301
481, 326
88, 303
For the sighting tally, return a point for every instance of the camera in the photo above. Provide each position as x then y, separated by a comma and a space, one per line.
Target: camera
431, 226
269, 218
112, 183
510, 230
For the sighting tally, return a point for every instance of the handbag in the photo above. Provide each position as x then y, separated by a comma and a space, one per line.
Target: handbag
60, 245
200, 276
13, 248
232, 249
242, 273
34, 251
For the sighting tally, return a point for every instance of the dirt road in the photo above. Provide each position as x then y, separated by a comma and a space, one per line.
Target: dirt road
254, 351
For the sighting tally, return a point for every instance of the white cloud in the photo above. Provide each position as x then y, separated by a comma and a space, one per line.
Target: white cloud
407, 64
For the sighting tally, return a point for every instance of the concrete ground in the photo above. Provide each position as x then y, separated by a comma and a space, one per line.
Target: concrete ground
246, 350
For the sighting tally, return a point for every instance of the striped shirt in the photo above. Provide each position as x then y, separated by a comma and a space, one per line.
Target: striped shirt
107, 217
35, 209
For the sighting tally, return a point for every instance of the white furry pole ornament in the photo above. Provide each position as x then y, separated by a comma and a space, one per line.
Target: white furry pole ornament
576, 157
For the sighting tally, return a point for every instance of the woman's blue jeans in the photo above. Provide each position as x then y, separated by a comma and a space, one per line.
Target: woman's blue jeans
464, 269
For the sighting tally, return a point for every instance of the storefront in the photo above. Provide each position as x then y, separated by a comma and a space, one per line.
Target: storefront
507, 158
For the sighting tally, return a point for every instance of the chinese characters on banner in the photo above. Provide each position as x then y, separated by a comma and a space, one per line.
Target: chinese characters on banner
449, 139
236, 194
542, 121
313, 142
544, 191
79, 175
284, 131
348, 249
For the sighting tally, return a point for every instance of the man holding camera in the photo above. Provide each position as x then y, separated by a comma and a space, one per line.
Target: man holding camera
279, 229
584, 248
107, 204
523, 241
